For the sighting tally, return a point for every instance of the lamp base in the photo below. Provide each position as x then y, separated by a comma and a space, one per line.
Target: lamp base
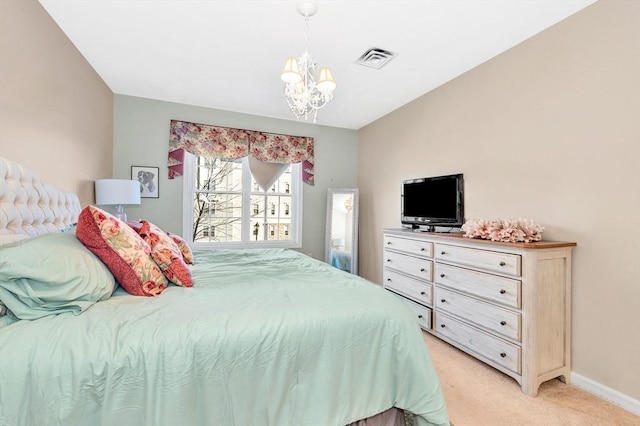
120, 213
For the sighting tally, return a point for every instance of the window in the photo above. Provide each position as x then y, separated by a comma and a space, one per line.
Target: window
227, 199
208, 231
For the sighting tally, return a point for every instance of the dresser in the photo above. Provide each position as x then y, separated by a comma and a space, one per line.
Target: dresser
507, 304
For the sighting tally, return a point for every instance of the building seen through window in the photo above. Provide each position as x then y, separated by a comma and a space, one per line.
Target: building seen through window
230, 207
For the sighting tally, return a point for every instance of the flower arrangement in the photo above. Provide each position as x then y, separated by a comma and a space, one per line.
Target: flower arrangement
505, 230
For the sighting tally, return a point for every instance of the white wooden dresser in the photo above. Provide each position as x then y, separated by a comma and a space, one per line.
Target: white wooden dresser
507, 304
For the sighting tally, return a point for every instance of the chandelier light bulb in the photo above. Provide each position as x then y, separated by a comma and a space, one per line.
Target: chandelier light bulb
299, 89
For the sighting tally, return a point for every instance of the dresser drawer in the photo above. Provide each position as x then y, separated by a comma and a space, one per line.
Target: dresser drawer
416, 247
493, 318
504, 263
484, 344
415, 266
503, 290
419, 291
422, 313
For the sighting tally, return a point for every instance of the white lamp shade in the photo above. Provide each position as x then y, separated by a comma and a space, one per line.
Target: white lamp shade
326, 84
290, 72
112, 192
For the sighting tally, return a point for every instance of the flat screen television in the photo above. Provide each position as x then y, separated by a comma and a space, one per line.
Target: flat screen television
433, 201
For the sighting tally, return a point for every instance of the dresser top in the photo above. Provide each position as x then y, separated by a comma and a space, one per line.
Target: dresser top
459, 236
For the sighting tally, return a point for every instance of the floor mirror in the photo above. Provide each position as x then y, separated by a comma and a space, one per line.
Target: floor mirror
341, 238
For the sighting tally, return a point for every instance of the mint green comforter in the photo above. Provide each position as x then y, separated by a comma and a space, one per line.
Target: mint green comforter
265, 337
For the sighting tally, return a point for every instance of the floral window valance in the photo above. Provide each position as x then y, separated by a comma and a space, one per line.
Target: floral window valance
223, 142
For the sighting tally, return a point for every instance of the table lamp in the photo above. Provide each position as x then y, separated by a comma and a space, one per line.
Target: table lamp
117, 192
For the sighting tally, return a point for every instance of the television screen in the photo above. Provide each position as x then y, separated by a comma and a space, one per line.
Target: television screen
434, 200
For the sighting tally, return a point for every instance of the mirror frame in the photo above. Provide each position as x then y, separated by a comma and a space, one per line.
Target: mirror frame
354, 226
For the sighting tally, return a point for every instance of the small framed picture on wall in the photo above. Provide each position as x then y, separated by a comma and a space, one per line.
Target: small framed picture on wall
148, 178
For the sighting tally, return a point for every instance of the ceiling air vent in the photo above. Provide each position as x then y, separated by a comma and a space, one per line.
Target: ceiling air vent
375, 58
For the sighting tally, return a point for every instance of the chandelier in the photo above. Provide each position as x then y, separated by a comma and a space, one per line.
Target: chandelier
305, 96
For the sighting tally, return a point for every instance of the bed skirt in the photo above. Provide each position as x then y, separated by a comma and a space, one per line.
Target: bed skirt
391, 417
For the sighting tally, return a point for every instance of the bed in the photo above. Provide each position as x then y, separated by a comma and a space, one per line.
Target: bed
264, 336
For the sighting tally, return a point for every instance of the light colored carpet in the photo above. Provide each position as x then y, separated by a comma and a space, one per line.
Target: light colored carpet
477, 394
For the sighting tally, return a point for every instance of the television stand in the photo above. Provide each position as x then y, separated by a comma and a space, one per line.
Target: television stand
418, 228
431, 228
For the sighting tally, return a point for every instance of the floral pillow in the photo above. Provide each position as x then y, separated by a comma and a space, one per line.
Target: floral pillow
125, 253
187, 254
135, 225
166, 253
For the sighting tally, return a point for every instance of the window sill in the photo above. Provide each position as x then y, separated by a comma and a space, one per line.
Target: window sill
246, 245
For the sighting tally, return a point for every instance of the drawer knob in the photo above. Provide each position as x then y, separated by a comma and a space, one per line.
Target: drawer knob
502, 263
442, 326
421, 248
388, 243
503, 323
388, 260
423, 293
502, 354
442, 252
503, 291
421, 269
420, 316
443, 300
389, 279
441, 275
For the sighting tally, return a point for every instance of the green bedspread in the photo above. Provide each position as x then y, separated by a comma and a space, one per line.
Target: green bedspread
265, 337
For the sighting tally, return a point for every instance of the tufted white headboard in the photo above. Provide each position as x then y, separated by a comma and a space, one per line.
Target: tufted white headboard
31, 207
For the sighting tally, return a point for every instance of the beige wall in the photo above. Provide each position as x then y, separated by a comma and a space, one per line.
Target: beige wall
549, 130
56, 113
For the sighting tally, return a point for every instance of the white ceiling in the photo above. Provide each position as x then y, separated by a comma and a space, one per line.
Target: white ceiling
228, 54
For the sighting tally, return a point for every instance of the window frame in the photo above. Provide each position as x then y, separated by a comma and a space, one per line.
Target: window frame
294, 228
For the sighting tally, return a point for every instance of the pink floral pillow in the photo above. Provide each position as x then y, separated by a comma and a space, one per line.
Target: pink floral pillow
124, 252
166, 253
135, 225
187, 254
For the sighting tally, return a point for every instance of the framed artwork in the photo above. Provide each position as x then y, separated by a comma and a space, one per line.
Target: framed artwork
148, 178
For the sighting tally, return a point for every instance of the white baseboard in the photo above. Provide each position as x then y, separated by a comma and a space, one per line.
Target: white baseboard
604, 392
